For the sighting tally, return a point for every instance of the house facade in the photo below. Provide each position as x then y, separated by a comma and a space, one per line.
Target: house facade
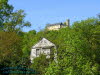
44, 46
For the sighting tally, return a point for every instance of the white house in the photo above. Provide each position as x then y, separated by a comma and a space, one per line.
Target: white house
44, 46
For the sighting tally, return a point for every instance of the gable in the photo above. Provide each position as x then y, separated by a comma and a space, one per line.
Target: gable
44, 43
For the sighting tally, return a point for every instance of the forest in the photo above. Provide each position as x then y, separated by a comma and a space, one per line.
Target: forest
78, 46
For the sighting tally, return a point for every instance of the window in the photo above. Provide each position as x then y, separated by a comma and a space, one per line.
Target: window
37, 52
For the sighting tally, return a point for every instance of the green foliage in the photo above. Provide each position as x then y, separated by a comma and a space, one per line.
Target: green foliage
78, 49
10, 49
10, 20
40, 63
11, 24
27, 42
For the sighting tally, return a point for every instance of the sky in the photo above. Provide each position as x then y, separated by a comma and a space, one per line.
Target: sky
41, 12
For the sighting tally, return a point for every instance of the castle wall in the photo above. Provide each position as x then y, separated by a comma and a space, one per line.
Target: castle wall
56, 27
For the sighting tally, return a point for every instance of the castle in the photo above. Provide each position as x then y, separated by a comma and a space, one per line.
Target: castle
58, 26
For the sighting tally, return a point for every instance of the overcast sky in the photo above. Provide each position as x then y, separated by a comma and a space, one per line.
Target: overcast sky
41, 12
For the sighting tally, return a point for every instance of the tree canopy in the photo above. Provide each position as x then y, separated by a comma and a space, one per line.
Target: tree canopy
78, 46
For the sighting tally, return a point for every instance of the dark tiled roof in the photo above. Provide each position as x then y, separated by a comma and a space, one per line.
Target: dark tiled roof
55, 24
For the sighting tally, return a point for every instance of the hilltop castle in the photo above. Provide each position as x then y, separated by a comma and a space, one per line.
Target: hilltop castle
58, 26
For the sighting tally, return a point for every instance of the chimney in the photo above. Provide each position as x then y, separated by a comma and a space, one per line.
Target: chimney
68, 22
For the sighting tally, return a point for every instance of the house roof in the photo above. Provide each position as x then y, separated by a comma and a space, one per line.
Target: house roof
44, 43
55, 24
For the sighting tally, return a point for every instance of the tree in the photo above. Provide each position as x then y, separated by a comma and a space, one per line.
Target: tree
78, 50
40, 63
10, 20
11, 24
5, 10
10, 49
98, 15
27, 42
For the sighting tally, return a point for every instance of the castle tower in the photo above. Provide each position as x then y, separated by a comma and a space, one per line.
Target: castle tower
68, 22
